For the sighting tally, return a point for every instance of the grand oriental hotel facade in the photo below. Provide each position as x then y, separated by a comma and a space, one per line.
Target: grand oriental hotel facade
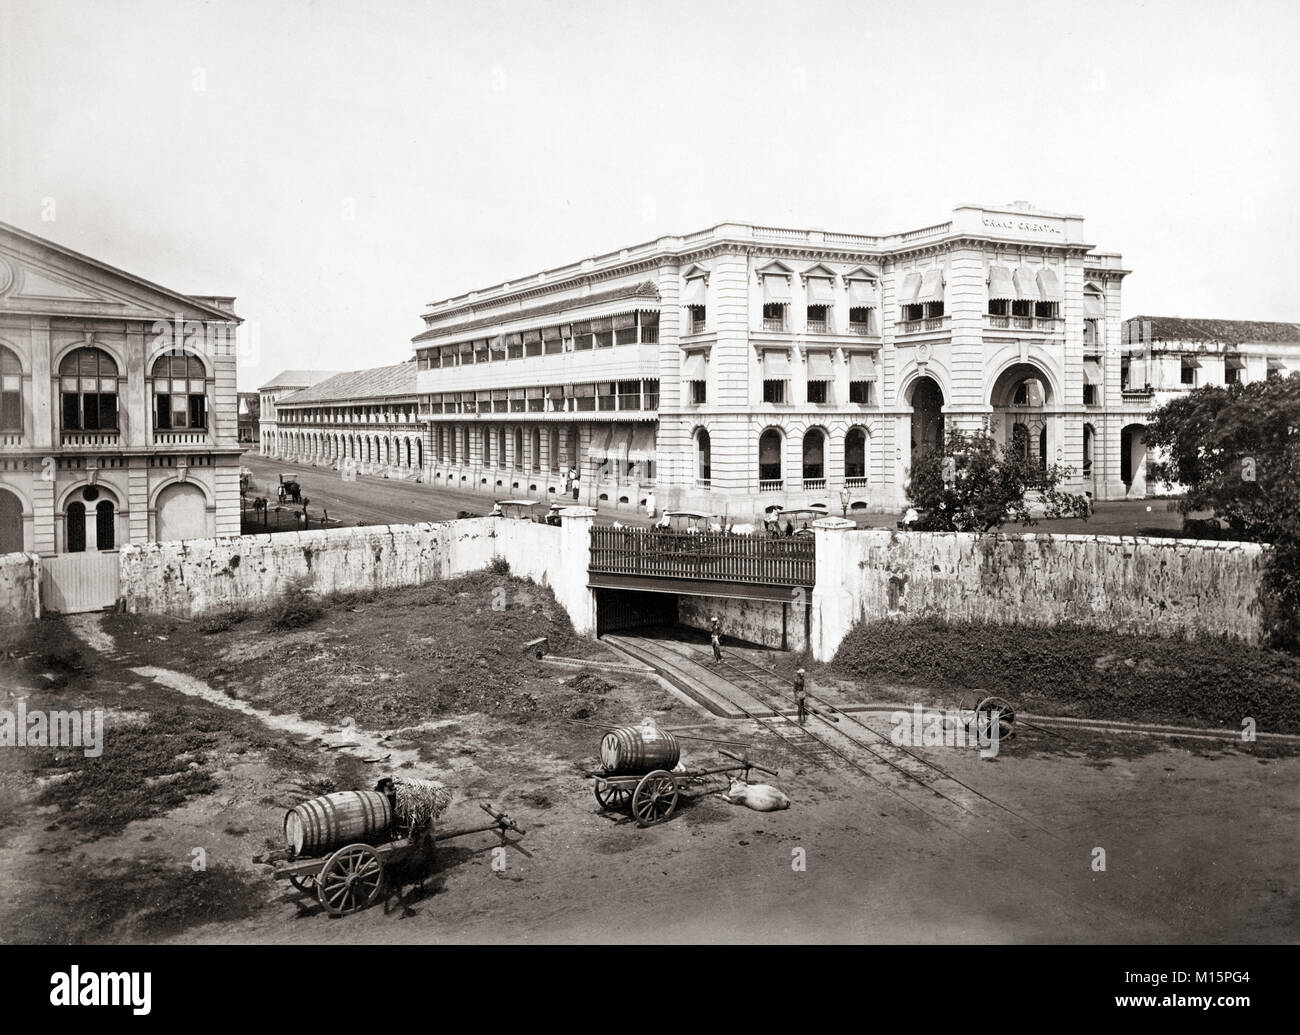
742, 366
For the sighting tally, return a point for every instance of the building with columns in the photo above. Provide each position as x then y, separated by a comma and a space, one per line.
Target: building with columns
286, 382
741, 366
117, 405
364, 420
1167, 356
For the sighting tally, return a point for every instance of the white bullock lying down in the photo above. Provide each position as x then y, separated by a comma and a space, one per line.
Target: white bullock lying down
761, 797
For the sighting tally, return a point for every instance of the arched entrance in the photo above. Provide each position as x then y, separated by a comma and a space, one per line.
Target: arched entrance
703, 459
181, 513
11, 522
927, 417
814, 459
1021, 399
769, 459
1133, 460
90, 521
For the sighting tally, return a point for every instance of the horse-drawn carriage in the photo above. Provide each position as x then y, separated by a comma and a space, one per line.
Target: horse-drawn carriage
290, 490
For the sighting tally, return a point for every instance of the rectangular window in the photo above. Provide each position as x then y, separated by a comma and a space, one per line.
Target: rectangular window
1022, 307
818, 391
774, 316
860, 393
1047, 310
699, 393
649, 324
1231, 376
605, 395
1089, 395
933, 310
604, 339
1187, 374
533, 348
629, 395
11, 411
650, 395
697, 318
819, 318
860, 320
773, 391
913, 312
999, 307
514, 351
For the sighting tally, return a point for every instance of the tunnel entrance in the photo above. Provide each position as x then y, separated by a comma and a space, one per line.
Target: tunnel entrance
621, 609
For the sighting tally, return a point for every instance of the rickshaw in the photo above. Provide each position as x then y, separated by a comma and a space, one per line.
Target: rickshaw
800, 519
519, 509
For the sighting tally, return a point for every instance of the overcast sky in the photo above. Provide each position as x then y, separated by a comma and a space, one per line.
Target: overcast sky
338, 165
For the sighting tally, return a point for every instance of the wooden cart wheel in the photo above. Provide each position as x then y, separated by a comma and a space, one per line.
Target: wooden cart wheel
1006, 714
611, 797
306, 883
350, 879
655, 798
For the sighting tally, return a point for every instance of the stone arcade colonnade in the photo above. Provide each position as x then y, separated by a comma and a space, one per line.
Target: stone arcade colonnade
384, 449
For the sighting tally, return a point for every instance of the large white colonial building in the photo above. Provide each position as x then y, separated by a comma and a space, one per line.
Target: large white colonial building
117, 409
746, 365
285, 383
1167, 356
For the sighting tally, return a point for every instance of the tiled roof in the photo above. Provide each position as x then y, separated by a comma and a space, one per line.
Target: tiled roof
297, 378
375, 383
1179, 328
646, 289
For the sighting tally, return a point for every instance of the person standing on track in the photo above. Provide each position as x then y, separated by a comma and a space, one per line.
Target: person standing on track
800, 696
715, 637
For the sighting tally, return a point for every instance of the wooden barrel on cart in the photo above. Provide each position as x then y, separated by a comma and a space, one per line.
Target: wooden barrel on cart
333, 820
638, 749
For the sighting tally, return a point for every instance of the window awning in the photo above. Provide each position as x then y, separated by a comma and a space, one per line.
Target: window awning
514, 339
622, 323
598, 448
695, 366
604, 324
556, 391
862, 366
532, 336
535, 393
551, 334
776, 364
819, 366
1026, 284
497, 393
695, 292
1191, 361
821, 291
776, 287
642, 448
863, 293
584, 391
931, 287
583, 327
1092, 373
1000, 284
516, 393
620, 440
1276, 364
1234, 363
466, 347
1093, 308
911, 286
1137, 373
1049, 286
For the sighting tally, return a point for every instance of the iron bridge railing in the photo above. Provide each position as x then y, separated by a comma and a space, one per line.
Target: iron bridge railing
704, 556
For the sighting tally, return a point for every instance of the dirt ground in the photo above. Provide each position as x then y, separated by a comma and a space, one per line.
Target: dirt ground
211, 735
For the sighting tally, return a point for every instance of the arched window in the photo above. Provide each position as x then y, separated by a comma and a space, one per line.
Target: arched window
418, 448
537, 449
105, 538
769, 458
453, 445
1042, 448
571, 448
75, 537
11, 392
88, 385
814, 454
519, 449
554, 443
179, 391
501, 446
703, 457
487, 446
465, 441
855, 454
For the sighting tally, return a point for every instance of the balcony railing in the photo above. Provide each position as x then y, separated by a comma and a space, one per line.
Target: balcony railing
697, 326
704, 483
855, 483
190, 437
89, 438
819, 326
11, 438
857, 327
774, 323
771, 484
811, 484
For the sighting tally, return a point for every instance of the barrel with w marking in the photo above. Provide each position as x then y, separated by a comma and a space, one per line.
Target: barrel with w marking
638, 749
334, 820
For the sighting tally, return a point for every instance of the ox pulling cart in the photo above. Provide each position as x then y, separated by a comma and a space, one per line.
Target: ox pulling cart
346, 877
642, 773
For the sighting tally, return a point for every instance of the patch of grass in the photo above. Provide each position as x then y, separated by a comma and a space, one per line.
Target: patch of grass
137, 900
295, 609
47, 647
499, 566
1084, 672
144, 770
223, 621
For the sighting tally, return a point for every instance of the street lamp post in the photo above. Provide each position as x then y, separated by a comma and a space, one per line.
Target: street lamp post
844, 500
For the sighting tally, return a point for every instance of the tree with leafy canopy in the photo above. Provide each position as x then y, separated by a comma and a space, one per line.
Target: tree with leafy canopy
975, 486
1235, 450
